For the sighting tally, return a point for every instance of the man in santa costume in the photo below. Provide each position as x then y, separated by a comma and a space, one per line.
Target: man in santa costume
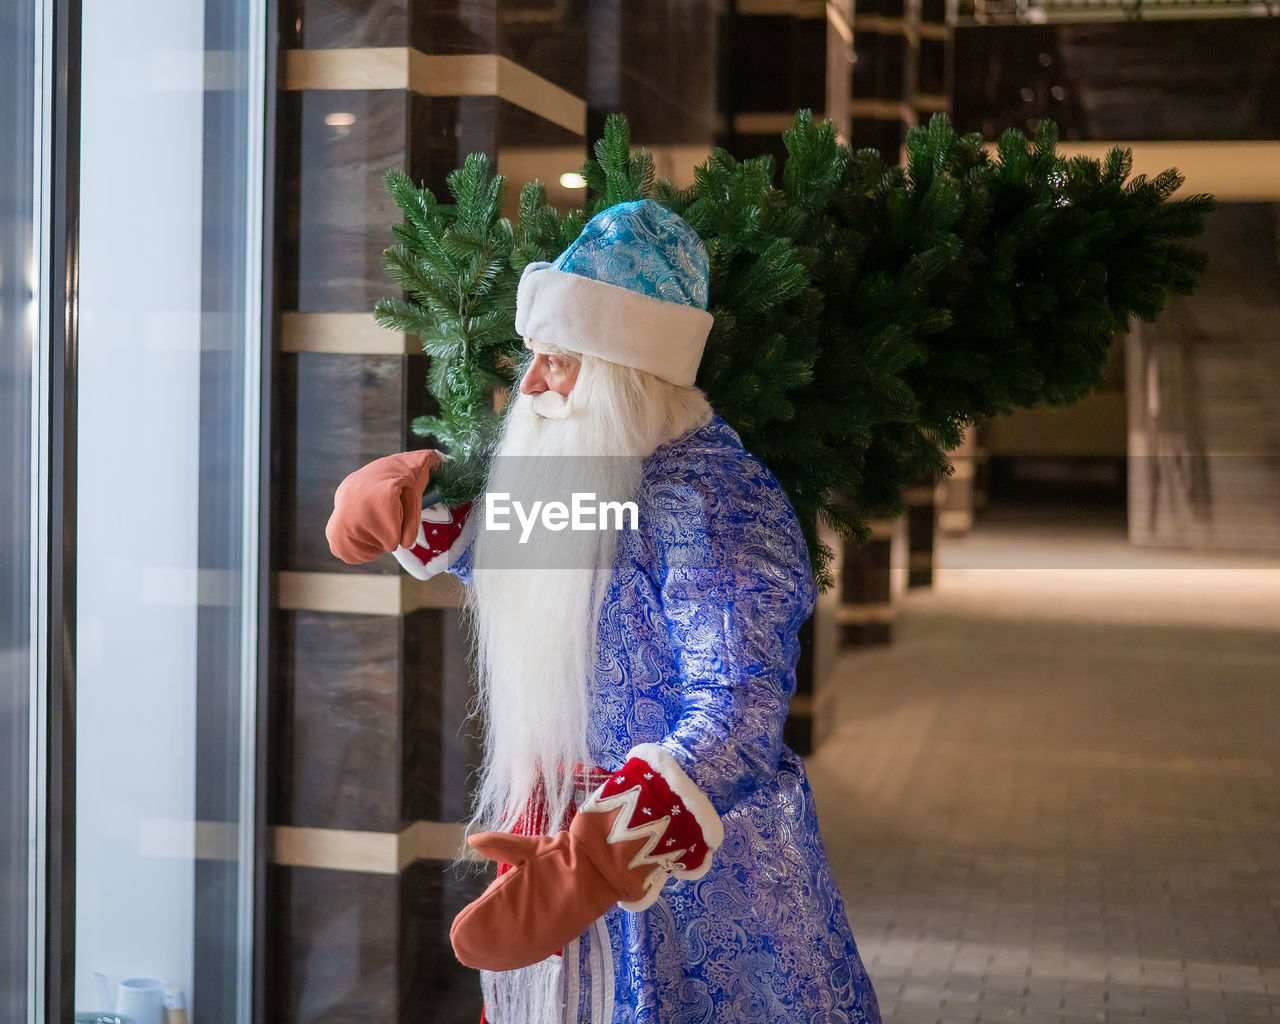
659, 853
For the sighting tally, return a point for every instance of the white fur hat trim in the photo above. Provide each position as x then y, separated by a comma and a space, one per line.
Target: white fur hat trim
613, 323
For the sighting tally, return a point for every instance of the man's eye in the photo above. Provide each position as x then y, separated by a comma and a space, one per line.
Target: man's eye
553, 363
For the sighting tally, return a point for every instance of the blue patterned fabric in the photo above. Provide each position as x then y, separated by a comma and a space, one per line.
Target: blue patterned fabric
643, 247
697, 651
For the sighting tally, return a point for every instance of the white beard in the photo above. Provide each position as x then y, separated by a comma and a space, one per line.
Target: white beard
535, 607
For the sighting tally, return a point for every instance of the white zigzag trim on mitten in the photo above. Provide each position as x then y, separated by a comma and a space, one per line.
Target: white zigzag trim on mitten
666, 863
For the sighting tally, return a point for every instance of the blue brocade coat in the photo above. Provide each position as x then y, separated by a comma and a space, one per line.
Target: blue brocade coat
696, 651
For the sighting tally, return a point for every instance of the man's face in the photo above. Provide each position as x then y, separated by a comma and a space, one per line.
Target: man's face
556, 373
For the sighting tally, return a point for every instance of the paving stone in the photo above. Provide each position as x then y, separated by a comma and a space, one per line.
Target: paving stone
1056, 795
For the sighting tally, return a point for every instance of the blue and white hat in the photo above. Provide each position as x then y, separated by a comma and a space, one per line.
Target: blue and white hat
632, 289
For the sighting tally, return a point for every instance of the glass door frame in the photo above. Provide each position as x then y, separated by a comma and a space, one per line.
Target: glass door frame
51, 891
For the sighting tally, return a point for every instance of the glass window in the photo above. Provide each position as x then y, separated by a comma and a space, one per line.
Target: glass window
17, 341
170, 143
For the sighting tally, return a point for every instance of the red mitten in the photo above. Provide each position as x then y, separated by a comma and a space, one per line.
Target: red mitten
646, 824
378, 507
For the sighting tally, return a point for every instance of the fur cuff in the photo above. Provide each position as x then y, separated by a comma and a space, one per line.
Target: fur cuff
439, 541
659, 801
614, 323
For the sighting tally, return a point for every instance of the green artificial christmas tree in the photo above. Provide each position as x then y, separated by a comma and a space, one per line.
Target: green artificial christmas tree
865, 314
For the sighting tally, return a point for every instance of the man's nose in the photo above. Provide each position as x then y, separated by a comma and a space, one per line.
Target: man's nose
532, 383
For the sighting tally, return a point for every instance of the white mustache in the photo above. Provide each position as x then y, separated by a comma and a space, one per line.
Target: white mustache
551, 405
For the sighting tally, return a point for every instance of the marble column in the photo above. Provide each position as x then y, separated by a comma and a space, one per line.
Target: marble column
657, 62
775, 64
888, 69
858, 611
958, 492
780, 56
921, 512
369, 755
811, 716
868, 584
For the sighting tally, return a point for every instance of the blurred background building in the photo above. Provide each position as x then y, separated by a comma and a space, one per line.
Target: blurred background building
239, 765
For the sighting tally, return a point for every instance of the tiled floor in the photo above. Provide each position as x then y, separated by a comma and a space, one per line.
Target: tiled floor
1056, 796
